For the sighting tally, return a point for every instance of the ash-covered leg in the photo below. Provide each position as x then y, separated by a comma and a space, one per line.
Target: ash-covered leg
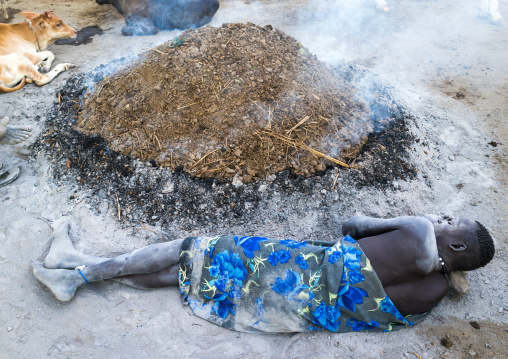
63, 255
153, 266
10, 135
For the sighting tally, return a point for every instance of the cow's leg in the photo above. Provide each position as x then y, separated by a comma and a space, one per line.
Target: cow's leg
381, 5
16, 67
494, 14
489, 9
42, 79
43, 60
6, 15
10, 73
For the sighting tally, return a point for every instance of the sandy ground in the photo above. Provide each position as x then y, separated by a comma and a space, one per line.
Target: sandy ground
450, 71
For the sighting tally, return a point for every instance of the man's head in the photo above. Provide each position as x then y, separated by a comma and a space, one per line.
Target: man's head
486, 244
464, 244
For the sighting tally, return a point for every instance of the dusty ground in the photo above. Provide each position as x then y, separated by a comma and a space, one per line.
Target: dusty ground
448, 68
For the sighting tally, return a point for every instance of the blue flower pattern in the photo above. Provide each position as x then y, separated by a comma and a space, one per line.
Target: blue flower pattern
276, 256
387, 306
334, 256
290, 286
293, 244
349, 296
229, 273
357, 325
249, 244
327, 317
301, 262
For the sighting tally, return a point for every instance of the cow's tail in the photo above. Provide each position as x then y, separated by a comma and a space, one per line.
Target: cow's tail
12, 89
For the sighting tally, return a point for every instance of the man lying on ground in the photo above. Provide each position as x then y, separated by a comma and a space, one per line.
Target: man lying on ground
384, 274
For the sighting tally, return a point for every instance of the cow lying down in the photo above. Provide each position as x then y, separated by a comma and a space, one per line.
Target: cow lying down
147, 17
22, 45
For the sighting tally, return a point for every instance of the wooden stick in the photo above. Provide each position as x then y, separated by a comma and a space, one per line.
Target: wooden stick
160, 52
217, 169
304, 146
335, 179
151, 230
298, 124
325, 156
202, 158
160, 147
179, 108
118, 205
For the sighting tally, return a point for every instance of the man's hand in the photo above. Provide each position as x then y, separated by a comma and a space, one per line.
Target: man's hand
433, 218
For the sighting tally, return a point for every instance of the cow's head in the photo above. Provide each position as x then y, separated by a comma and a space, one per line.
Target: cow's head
50, 24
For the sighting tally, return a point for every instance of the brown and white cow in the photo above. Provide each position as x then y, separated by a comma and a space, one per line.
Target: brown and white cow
147, 17
22, 48
489, 9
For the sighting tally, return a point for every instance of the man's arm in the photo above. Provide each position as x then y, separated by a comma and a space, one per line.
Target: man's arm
361, 226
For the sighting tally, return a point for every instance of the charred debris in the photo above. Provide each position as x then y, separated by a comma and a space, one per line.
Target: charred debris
142, 190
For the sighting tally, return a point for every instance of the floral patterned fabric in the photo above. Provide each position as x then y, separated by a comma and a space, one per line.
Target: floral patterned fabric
256, 284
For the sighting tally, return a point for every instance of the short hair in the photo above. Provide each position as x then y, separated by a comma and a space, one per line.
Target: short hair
486, 244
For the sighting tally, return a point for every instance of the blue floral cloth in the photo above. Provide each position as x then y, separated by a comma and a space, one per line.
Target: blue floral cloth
256, 284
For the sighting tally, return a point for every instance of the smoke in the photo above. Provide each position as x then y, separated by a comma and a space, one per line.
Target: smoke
416, 46
411, 33
412, 45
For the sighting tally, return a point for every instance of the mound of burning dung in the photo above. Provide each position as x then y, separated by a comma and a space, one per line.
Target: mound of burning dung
237, 100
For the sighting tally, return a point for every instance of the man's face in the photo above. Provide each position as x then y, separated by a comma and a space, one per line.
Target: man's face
452, 237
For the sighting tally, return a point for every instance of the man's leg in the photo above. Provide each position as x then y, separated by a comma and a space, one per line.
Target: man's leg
63, 255
63, 283
149, 267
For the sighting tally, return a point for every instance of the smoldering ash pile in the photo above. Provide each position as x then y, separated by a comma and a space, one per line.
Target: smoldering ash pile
240, 100
223, 125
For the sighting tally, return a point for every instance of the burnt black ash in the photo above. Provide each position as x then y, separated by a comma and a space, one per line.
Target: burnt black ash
148, 194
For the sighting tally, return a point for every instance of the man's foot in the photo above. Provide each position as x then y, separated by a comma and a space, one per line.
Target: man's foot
63, 283
8, 176
13, 135
63, 255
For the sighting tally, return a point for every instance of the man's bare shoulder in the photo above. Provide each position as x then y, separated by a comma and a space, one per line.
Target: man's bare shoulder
408, 242
419, 295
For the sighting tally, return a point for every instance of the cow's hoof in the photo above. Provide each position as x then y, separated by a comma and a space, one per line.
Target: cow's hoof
494, 19
139, 29
498, 21
44, 69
